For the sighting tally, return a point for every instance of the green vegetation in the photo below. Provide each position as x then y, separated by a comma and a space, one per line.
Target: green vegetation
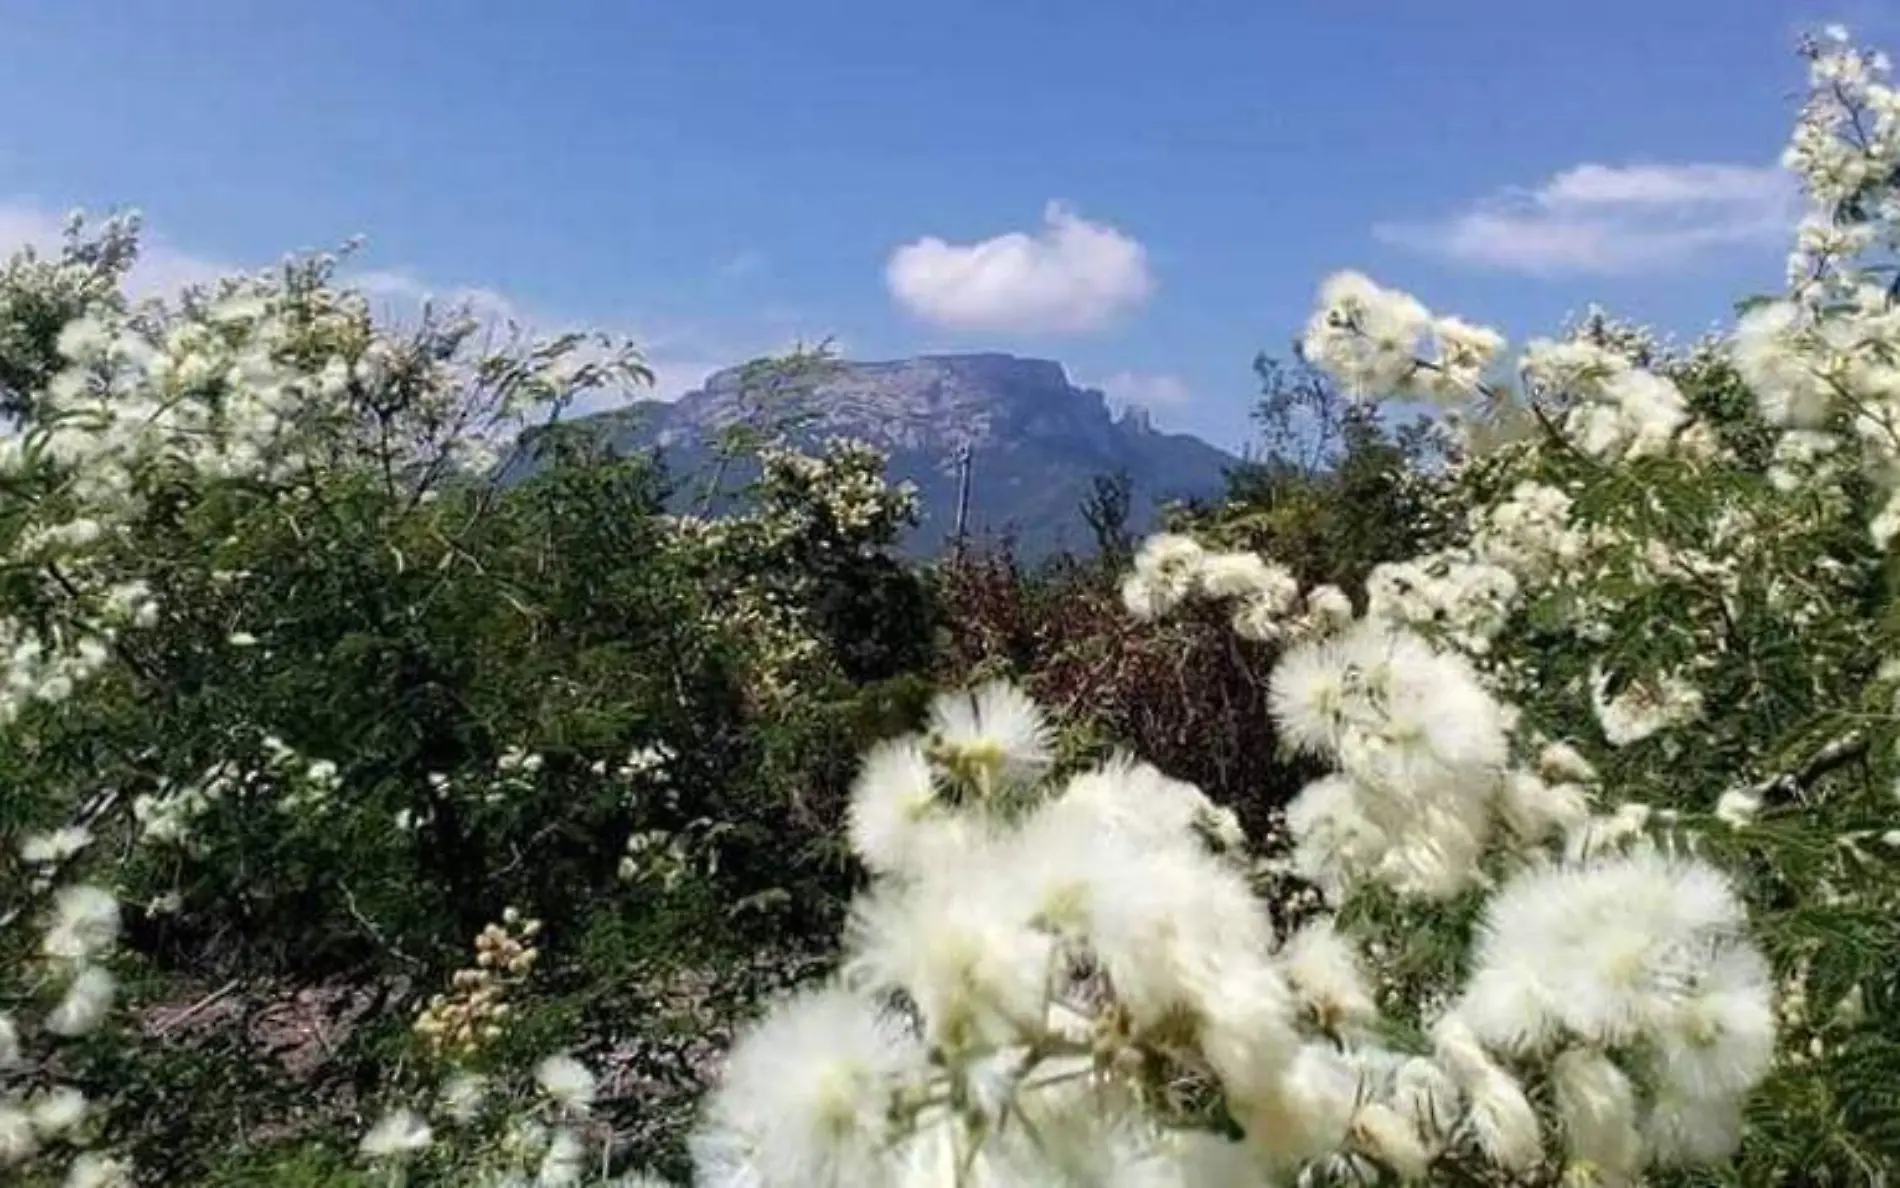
1520, 805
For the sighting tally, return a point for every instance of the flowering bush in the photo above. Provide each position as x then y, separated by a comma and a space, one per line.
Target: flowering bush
1333, 495
1589, 877
308, 684
787, 573
1601, 887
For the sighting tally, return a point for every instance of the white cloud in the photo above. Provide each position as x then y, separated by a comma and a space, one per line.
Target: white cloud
744, 264
1611, 219
1153, 391
1072, 276
410, 292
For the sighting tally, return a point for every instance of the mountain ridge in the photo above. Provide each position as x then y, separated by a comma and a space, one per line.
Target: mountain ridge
1037, 440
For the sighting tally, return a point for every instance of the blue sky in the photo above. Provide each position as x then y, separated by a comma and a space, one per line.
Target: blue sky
720, 179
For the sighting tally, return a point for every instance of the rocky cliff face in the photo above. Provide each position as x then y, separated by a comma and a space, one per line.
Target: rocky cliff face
1036, 439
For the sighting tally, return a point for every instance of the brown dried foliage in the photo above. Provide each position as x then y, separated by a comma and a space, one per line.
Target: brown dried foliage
1185, 694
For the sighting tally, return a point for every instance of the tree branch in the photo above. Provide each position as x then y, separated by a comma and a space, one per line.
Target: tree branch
1793, 785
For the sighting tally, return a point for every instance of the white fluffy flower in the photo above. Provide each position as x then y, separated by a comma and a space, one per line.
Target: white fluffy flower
1324, 970
1612, 950
1135, 798
1683, 1129
1535, 809
1241, 575
42, 849
92, 1170
88, 998
1561, 761
1328, 609
1366, 336
962, 944
1167, 567
1421, 745
1392, 1139
1717, 1038
994, 728
1770, 354
398, 1133
1499, 1114
1597, 1107
1427, 1095
1464, 353
18, 1140
567, 1081
84, 340
462, 1095
1738, 807
895, 791
58, 1110
1306, 1113
1176, 928
564, 1162
806, 1097
1643, 707
85, 923
1650, 410
1263, 592
1310, 688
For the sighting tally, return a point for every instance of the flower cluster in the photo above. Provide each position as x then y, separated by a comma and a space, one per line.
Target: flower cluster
1820, 361
1507, 936
1640, 952
271, 379
1613, 408
1170, 569
1056, 955
810, 513
1381, 342
496, 1135
294, 783
646, 764
663, 858
837, 495
1051, 982
39, 1115
473, 1013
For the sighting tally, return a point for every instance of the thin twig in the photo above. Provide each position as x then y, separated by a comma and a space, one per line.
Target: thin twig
100, 804
195, 1009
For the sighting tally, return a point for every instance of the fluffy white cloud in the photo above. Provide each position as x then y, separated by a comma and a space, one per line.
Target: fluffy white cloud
1611, 219
408, 293
1153, 391
1072, 276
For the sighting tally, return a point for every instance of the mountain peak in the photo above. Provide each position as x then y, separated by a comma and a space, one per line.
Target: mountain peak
1037, 439
998, 366
920, 403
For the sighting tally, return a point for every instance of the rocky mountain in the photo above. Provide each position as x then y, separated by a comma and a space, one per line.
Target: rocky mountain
1036, 440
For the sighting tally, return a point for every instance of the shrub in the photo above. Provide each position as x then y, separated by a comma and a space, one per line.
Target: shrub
307, 674
1600, 887
1576, 864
